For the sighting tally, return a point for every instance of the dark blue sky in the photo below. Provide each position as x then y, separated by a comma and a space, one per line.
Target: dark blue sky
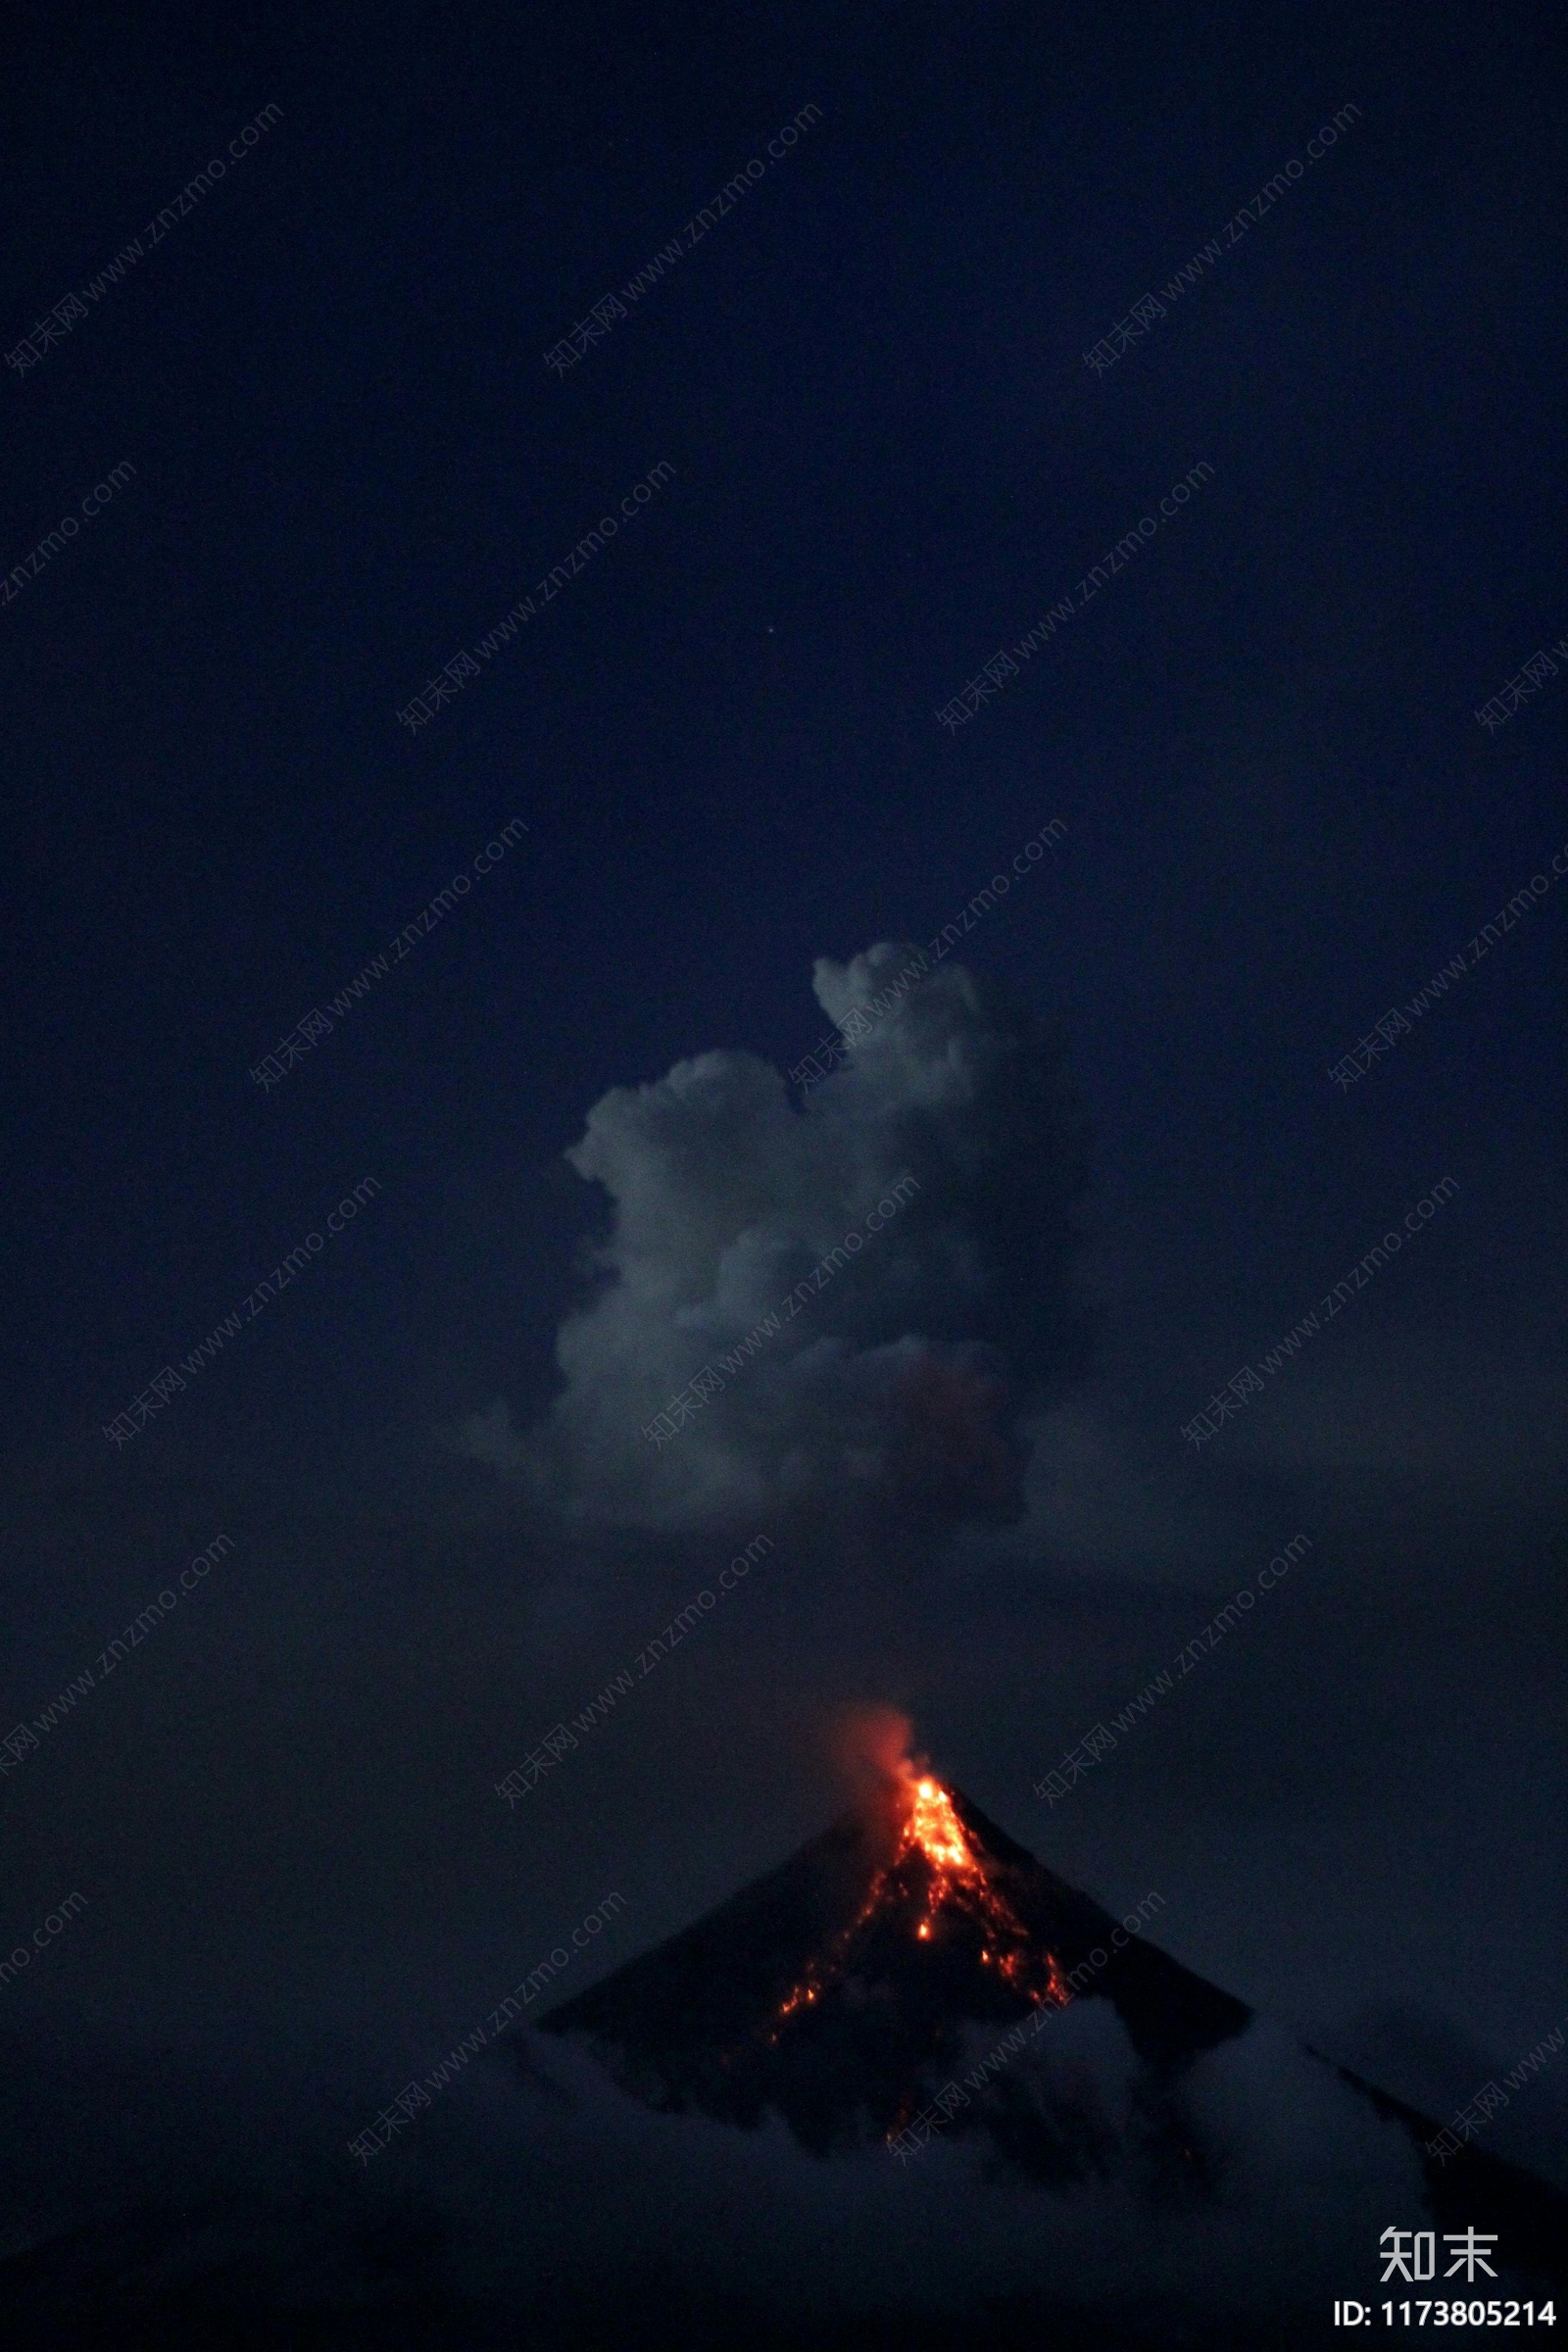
889, 458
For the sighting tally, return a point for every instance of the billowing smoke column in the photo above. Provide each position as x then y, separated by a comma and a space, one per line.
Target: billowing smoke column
872, 1747
853, 1298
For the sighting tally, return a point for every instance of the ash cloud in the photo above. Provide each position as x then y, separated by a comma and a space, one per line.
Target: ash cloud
899, 1375
872, 1747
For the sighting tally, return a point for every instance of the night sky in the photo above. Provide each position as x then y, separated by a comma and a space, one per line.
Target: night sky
880, 456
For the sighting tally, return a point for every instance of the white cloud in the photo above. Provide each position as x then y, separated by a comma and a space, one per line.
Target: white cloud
939, 1317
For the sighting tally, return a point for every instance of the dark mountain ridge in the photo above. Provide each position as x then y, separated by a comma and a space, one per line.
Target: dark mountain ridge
853, 1989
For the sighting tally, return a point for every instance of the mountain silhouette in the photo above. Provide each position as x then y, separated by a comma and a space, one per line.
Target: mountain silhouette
911, 1975
881, 1983
849, 1985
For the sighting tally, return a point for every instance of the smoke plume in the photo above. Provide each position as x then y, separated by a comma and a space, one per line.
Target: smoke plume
849, 1301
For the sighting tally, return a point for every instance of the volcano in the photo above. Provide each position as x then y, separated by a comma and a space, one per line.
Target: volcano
851, 1986
1093, 2143
880, 1983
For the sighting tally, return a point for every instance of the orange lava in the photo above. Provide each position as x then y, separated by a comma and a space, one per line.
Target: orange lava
934, 1863
956, 1881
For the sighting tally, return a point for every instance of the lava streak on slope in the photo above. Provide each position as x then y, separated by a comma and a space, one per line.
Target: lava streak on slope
934, 1879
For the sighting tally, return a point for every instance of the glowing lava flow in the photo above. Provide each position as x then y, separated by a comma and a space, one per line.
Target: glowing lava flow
934, 1863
